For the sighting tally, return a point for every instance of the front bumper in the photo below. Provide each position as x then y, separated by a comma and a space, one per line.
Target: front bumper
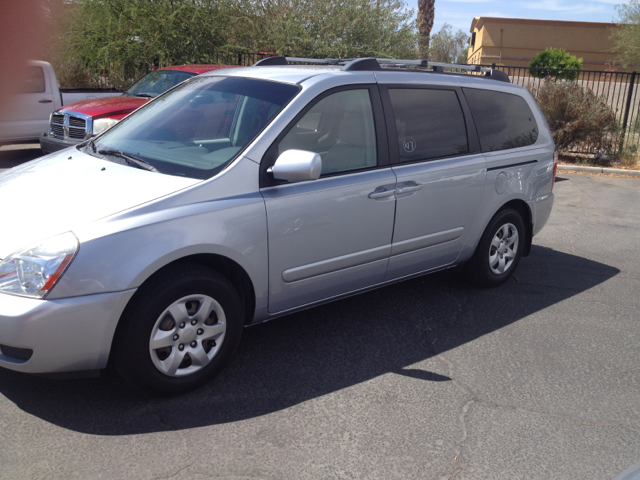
50, 144
65, 335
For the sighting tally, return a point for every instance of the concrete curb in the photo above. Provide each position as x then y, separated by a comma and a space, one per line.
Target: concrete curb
615, 171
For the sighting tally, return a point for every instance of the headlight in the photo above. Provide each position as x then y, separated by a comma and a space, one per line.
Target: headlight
103, 124
34, 271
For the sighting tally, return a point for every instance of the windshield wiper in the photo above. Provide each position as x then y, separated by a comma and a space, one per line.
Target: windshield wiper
145, 95
130, 159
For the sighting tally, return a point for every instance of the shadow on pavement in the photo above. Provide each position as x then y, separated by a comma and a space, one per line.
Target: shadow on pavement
310, 354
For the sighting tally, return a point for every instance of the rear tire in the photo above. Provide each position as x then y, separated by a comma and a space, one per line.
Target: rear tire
499, 250
180, 331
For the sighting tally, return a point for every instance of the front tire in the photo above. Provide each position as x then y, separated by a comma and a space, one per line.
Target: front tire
499, 250
180, 331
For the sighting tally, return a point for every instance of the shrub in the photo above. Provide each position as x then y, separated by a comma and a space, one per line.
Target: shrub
577, 118
551, 63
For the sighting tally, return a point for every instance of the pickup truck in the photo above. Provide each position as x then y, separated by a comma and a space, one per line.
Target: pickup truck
75, 123
29, 110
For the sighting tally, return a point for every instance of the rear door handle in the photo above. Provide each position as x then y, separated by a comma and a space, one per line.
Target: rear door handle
45, 100
382, 192
408, 187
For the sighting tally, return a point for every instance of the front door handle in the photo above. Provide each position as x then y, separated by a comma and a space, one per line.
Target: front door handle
45, 100
408, 187
382, 192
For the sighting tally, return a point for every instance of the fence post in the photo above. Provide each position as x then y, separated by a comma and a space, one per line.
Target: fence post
626, 109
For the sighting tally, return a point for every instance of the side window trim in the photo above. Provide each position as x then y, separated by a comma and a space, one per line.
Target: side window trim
382, 142
392, 134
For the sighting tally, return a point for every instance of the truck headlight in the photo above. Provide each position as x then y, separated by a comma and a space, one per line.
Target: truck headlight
33, 271
102, 124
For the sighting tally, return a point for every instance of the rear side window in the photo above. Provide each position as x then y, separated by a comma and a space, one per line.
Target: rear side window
503, 120
33, 80
430, 123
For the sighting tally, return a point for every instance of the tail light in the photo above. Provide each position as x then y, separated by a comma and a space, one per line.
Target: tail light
555, 167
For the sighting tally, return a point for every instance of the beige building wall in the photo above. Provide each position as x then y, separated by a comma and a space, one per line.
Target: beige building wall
515, 41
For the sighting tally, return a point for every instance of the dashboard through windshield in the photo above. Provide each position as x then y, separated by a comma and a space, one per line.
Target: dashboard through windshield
158, 82
198, 128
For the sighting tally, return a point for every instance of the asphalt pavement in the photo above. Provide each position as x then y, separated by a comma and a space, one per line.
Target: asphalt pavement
426, 379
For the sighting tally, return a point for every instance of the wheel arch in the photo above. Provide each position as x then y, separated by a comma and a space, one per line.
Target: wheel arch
237, 275
527, 217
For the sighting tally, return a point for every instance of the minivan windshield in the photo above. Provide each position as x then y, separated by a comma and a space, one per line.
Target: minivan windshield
196, 129
158, 82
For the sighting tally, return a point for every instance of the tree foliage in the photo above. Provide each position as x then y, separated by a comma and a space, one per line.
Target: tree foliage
626, 35
329, 28
448, 47
553, 62
126, 38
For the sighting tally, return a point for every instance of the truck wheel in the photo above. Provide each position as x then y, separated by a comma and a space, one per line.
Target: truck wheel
499, 251
181, 330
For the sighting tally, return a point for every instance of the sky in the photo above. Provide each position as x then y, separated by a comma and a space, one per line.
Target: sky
460, 13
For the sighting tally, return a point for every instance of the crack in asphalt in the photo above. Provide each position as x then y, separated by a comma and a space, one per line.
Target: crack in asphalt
171, 476
473, 398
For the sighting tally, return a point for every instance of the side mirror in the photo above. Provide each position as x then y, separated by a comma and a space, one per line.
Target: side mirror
297, 166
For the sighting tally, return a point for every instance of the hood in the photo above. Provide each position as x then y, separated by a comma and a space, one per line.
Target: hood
108, 106
52, 195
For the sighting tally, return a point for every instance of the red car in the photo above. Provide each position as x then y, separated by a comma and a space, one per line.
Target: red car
76, 122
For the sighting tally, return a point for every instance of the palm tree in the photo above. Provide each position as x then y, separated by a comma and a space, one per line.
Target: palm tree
426, 14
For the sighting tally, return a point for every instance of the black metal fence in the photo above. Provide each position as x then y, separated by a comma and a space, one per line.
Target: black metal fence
244, 59
618, 90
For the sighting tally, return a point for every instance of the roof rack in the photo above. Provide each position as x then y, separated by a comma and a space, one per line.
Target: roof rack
377, 64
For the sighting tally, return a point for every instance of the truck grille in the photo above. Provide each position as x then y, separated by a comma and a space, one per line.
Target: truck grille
57, 125
66, 126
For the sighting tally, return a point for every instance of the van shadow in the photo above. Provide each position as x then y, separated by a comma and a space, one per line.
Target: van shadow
310, 354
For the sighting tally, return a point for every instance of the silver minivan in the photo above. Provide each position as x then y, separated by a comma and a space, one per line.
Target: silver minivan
247, 194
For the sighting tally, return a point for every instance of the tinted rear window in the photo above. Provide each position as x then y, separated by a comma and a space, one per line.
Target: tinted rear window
503, 120
430, 123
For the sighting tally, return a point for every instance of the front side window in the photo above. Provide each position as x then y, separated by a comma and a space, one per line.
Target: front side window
158, 82
503, 120
196, 129
341, 129
430, 123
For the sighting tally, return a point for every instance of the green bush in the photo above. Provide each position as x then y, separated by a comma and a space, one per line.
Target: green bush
577, 118
552, 62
